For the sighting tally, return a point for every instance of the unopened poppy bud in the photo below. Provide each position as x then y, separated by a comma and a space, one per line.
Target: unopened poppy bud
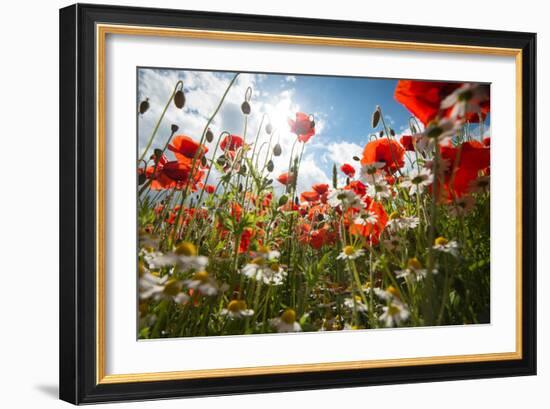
203, 161
141, 178
221, 161
381, 134
144, 106
392, 132
269, 128
245, 107
277, 150
312, 124
209, 135
179, 99
270, 166
174, 128
376, 117
356, 158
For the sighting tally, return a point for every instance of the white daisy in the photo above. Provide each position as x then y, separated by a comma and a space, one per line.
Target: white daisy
265, 267
366, 217
394, 314
466, 99
372, 173
203, 283
151, 286
350, 253
355, 303
380, 190
183, 258
237, 309
417, 180
398, 222
286, 322
345, 199
414, 270
446, 246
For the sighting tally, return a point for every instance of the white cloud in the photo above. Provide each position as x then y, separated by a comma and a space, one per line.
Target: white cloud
290, 78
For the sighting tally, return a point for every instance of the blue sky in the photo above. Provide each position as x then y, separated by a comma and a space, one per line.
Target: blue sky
342, 107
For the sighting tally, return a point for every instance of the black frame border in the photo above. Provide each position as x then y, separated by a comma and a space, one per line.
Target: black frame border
78, 197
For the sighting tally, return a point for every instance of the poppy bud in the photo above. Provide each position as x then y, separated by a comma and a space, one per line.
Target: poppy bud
312, 124
356, 158
245, 107
203, 161
269, 182
320, 217
144, 106
381, 134
157, 154
179, 99
141, 179
270, 166
209, 135
376, 117
277, 150
392, 132
269, 128
282, 200
221, 161
240, 187
174, 128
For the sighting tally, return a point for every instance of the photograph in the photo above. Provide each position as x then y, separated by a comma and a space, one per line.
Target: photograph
283, 203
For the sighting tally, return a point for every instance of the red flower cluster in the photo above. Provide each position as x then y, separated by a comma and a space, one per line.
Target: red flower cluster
303, 126
386, 151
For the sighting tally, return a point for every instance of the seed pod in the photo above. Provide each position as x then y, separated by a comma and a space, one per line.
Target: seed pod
277, 150
141, 179
209, 135
174, 128
221, 161
356, 158
269, 128
245, 107
144, 106
179, 99
270, 166
376, 117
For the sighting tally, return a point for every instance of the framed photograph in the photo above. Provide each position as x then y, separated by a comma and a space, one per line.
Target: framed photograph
257, 203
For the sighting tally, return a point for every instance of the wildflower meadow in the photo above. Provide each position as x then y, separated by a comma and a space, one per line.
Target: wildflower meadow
260, 214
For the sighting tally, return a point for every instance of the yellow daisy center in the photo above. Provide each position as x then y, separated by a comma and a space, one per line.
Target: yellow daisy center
393, 291
349, 250
236, 305
394, 215
414, 264
274, 266
441, 241
263, 249
393, 310
186, 249
289, 316
258, 261
172, 287
201, 276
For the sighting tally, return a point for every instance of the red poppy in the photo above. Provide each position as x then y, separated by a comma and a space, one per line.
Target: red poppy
309, 196
465, 162
244, 243
236, 211
423, 98
186, 148
210, 189
386, 151
320, 188
231, 143
487, 141
285, 178
348, 170
303, 127
371, 231
407, 142
357, 187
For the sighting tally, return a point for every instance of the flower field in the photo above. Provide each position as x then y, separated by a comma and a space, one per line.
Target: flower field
231, 243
